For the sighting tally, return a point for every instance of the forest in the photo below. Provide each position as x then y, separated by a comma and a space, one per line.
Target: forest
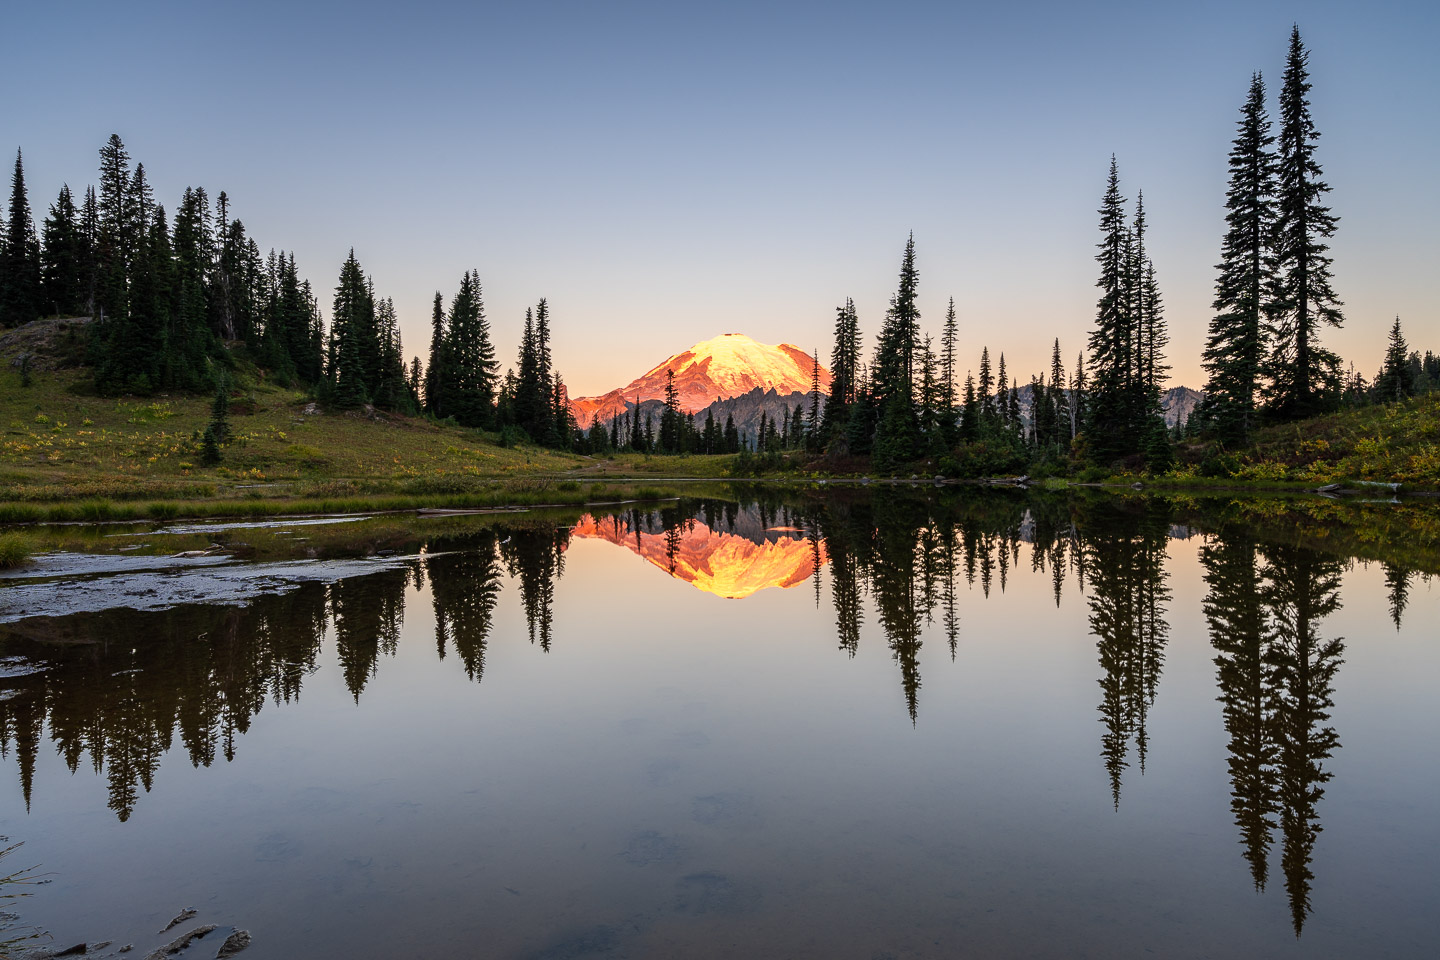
188, 303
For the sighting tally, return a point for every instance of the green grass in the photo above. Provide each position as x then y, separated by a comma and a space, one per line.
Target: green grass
1395, 443
15, 550
57, 442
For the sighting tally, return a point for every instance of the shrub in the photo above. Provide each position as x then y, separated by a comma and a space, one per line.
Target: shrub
1219, 466
15, 550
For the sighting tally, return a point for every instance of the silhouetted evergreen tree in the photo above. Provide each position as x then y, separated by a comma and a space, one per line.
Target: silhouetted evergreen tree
352, 322
1301, 372
844, 374
897, 434
1395, 381
62, 258
20, 271
468, 388
1238, 338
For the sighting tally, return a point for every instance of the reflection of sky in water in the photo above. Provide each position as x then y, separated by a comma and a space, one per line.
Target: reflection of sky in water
681, 776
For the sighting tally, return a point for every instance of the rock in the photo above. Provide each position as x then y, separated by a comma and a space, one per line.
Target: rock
74, 951
180, 918
180, 943
311, 409
233, 944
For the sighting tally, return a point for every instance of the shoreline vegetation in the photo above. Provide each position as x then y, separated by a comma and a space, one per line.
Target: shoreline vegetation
70, 456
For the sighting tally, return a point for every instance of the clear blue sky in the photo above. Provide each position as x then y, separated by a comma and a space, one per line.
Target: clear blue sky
665, 172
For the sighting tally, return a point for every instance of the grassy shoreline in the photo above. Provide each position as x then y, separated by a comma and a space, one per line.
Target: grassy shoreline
67, 455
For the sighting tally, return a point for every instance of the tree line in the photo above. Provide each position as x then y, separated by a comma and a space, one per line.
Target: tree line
1264, 358
177, 300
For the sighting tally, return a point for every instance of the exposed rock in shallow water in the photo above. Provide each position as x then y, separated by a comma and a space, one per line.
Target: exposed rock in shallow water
95, 583
186, 914
180, 943
233, 944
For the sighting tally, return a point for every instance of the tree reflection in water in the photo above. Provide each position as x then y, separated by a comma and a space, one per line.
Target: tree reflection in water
204, 673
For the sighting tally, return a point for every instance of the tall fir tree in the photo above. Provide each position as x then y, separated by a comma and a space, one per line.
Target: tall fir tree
352, 320
114, 241
20, 273
470, 358
844, 370
62, 258
1238, 339
1301, 372
813, 437
949, 340
897, 433
437, 370
1116, 407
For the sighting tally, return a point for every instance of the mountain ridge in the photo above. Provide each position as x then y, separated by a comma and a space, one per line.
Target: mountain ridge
723, 367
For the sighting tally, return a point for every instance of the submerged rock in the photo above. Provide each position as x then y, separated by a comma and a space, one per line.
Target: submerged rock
233, 944
180, 943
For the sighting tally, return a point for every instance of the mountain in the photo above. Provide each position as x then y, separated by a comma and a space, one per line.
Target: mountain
1179, 403
730, 565
1175, 403
729, 365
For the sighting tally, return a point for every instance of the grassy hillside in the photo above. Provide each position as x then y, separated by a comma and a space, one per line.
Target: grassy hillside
56, 435
1397, 443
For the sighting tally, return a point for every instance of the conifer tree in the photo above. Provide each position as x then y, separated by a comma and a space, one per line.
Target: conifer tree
529, 390
1113, 413
190, 340
353, 323
812, 439
1057, 396
114, 240
435, 371
1002, 391
1236, 346
893, 380
1301, 371
986, 386
949, 339
1395, 381
637, 431
62, 258
671, 420
969, 412
20, 272
90, 252
469, 365
844, 371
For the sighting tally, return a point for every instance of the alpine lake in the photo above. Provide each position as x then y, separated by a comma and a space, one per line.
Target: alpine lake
893, 722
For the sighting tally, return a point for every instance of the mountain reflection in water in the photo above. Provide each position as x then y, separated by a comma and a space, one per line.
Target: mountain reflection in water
718, 556
201, 674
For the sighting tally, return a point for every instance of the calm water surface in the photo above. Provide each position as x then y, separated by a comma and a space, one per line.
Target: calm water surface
882, 727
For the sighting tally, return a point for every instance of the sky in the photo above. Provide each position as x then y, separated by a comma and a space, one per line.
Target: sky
665, 172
